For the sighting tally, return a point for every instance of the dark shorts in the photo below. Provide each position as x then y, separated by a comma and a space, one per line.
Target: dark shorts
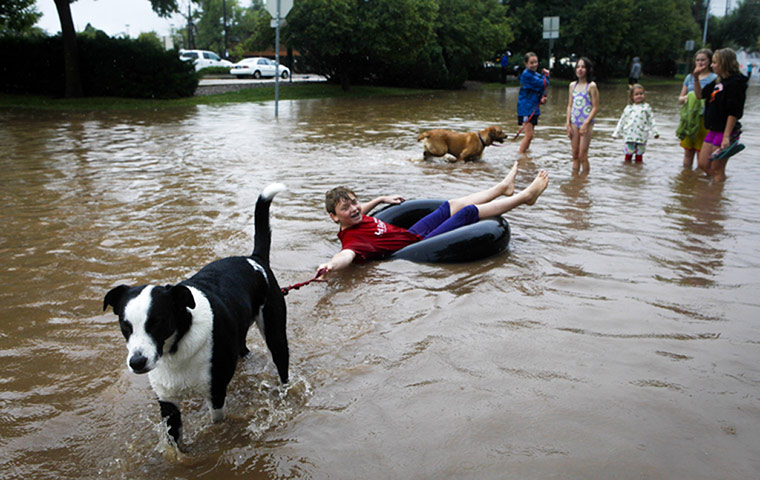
440, 221
523, 119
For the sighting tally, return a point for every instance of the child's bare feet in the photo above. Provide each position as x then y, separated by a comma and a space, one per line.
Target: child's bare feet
537, 187
509, 181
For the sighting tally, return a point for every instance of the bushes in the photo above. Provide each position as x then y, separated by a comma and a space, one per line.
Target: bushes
113, 67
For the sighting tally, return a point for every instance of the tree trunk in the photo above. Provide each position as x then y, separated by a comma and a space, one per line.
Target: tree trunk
70, 52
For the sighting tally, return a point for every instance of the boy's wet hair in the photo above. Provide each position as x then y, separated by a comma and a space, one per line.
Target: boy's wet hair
334, 196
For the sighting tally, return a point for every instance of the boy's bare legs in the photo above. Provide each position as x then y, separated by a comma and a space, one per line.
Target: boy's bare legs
524, 197
505, 187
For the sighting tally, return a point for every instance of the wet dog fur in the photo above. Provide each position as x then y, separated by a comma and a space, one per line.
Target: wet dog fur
188, 337
464, 146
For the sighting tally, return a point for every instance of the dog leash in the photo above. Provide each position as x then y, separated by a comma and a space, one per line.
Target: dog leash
543, 97
296, 286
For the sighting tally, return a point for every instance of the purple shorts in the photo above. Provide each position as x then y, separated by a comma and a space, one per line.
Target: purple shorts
714, 138
440, 221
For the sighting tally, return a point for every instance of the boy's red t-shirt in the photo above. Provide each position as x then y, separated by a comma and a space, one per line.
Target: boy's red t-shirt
372, 239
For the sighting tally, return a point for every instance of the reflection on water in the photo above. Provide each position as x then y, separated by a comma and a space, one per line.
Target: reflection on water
578, 202
616, 338
699, 215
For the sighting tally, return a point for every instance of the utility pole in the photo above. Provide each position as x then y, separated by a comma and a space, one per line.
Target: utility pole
224, 19
190, 39
707, 17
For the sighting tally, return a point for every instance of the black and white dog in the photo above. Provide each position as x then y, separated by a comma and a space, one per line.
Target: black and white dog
188, 337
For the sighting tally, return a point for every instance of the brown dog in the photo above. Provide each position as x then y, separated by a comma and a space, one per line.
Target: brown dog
464, 146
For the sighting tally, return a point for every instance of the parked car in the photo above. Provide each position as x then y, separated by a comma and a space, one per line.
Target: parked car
258, 67
203, 59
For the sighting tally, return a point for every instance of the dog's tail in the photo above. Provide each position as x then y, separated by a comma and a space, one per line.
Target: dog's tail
262, 236
423, 135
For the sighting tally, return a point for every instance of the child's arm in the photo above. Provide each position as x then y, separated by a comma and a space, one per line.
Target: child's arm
652, 123
620, 123
698, 86
533, 80
339, 261
730, 125
684, 93
569, 110
390, 199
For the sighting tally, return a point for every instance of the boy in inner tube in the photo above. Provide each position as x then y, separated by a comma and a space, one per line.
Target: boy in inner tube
366, 238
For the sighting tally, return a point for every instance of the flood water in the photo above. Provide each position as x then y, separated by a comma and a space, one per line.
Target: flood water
617, 338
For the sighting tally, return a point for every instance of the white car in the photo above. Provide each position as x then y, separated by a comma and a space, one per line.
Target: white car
203, 59
258, 67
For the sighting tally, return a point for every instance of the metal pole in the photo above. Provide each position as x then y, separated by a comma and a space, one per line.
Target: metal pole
277, 61
224, 19
707, 17
551, 47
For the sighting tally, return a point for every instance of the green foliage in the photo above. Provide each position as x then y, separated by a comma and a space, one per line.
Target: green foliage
18, 16
117, 67
214, 71
152, 38
256, 34
427, 43
738, 29
210, 25
164, 8
609, 32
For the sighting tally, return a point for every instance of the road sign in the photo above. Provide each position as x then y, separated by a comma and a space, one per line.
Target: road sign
551, 27
285, 6
689, 45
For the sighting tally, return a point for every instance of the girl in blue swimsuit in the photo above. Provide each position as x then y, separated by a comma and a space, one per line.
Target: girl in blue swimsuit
582, 105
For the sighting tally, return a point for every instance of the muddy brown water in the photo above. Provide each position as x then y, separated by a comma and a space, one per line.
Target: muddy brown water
617, 338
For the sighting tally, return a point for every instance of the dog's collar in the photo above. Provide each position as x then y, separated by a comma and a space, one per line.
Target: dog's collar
481, 140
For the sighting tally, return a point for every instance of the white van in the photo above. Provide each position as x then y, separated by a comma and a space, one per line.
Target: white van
203, 59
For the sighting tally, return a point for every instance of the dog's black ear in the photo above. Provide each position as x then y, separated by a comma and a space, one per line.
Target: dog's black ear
182, 296
113, 298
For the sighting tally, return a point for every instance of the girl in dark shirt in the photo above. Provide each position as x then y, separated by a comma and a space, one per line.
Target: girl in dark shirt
724, 106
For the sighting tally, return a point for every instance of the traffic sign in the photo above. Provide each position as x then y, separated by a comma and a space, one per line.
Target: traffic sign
285, 6
551, 27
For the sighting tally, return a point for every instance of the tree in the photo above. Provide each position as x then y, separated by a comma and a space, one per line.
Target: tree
428, 43
611, 22
609, 32
18, 16
469, 32
738, 29
70, 54
211, 23
255, 32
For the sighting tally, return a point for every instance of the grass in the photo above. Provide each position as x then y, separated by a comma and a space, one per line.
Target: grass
259, 94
